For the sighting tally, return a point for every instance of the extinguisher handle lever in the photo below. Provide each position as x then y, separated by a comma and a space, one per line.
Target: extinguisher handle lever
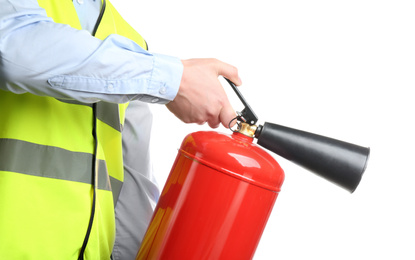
247, 114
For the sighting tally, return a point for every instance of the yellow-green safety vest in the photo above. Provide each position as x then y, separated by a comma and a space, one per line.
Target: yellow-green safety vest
46, 158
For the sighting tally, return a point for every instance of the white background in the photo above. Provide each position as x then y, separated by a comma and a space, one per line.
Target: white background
344, 69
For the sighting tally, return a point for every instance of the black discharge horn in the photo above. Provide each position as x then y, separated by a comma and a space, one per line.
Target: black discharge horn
337, 161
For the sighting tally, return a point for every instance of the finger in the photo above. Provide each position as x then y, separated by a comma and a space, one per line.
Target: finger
214, 116
230, 72
226, 116
214, 124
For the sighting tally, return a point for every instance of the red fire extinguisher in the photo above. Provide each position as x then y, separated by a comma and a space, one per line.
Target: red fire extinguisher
222, 187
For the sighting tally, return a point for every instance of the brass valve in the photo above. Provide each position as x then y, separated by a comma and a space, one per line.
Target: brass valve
247, 129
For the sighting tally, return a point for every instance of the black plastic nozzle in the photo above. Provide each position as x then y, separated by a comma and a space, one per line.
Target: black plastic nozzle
339, 162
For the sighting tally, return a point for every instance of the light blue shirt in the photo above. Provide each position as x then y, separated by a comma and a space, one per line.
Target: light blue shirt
51, 59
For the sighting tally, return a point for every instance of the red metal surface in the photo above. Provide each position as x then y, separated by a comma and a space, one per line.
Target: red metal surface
216, 201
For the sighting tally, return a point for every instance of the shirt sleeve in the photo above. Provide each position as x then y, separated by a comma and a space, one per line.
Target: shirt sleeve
50, 59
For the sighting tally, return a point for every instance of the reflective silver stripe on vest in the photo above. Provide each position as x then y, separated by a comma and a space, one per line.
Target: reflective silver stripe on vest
106, 112
116, 186
51, 162
109, 114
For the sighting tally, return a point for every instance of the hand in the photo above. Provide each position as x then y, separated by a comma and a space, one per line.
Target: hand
201, 97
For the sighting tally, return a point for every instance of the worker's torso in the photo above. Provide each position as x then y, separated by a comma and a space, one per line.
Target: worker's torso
46, 161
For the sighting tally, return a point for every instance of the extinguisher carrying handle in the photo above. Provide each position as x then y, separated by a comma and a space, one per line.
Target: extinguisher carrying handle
247, 115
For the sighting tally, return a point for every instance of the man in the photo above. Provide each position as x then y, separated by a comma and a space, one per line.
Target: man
63, 101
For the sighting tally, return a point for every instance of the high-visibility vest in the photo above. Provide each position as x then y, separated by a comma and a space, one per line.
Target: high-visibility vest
46, 161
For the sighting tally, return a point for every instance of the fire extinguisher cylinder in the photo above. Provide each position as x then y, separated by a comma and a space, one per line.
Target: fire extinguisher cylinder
216, 201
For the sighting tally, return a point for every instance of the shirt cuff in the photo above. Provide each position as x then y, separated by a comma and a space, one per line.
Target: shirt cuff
165, 79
